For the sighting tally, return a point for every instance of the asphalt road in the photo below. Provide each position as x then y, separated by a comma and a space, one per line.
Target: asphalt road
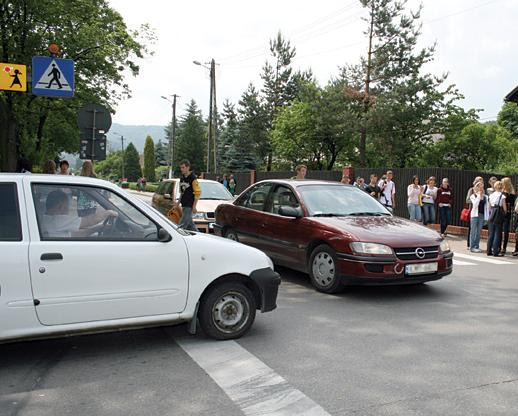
446, 348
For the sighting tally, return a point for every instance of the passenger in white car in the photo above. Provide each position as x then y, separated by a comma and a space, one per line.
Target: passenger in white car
58, 222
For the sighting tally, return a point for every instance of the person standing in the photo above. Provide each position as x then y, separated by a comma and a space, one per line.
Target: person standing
496, 202
300, 172
388, 191
429, 197
360, 183
372, 188
50, 167
445, 203
515, 252
345, 179
510, 200
225, 181
232, 186
190, 193
468, 202
491, 183
414, 193
479, 214
64, 167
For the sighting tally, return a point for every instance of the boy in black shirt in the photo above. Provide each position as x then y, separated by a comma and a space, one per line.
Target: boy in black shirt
190, 193
372, 188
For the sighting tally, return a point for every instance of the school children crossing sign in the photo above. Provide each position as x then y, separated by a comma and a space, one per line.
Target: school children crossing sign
13, 77
52, 77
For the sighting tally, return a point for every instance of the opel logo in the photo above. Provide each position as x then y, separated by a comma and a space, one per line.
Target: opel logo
419, 252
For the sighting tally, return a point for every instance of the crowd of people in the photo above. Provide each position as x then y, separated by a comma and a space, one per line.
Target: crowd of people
229, 182
492, 207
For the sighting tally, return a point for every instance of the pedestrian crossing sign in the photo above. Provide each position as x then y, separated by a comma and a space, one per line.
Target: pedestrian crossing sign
13, 77
52, 77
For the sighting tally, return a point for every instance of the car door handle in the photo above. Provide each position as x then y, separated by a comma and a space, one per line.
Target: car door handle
51, 256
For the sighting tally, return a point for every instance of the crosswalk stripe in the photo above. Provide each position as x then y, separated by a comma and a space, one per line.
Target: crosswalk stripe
462, 263
250, 383
481, 259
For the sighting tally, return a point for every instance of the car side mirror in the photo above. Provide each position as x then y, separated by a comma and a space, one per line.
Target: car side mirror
164, 236
167, 196
292, 212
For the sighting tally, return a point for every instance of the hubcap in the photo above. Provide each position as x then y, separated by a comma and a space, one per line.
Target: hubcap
324, 269
232, 236
230, 312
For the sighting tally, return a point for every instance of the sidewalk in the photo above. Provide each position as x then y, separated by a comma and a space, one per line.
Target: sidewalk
458, 245
147, 194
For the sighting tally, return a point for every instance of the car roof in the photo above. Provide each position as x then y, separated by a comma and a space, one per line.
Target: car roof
68, 179
302, 182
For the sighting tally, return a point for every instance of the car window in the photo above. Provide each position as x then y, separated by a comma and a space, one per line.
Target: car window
160, 189
255, 197
283, 196
10, 227
214, 191
89, 213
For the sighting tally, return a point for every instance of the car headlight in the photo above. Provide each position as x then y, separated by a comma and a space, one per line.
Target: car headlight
370, 248
198, 216
445, 246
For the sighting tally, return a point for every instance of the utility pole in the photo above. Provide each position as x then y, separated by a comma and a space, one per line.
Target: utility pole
211, 106
214, 112
173, 135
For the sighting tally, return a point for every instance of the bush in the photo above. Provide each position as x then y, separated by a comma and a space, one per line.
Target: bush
124, 185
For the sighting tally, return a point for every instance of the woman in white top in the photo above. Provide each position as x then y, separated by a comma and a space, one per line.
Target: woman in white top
479, 214
429, 195
496, 200
414, 190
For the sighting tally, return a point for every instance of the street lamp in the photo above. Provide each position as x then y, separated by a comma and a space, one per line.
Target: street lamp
122, 147
213, 111
172, 132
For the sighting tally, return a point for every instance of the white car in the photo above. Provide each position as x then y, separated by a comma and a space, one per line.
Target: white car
82, 255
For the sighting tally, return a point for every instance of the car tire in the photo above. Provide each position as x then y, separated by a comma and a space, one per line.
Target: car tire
323, 270
231, 234
227, 311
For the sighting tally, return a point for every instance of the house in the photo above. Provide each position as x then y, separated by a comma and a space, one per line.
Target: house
512, 96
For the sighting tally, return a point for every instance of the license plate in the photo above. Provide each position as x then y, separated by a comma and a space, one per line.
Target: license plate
421, 268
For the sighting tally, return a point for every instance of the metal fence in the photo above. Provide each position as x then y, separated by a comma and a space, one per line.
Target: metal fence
460, 182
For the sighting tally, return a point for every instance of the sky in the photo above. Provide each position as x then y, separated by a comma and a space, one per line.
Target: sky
476, 45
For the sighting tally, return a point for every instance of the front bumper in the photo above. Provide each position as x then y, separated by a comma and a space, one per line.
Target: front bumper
268, 282
389, 270
206, 227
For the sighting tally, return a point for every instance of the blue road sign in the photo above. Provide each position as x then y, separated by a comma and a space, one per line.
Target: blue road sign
52, 77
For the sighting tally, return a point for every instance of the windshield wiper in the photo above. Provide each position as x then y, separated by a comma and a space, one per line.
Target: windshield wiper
329, 214
367, 214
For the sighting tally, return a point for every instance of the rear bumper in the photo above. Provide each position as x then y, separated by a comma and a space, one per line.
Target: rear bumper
268, 282
379, 271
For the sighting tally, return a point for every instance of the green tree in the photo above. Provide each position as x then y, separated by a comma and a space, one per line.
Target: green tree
132, 163
191, 137
149, 160
161, 153
278, 90
227, 135
91, 33
402, 106
111, 167
508, 118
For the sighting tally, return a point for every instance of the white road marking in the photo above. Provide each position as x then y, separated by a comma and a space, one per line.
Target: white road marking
462, 263
250, 383
481, 259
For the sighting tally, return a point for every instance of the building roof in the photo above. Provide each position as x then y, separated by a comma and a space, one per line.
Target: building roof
512, 96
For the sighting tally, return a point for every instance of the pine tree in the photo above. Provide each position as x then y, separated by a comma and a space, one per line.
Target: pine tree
149, 160
161, 153
253, 121
191, 138
132, 163
401, 105
228, 126
278, 86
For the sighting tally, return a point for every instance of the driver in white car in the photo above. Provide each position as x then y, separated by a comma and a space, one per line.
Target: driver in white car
57, 221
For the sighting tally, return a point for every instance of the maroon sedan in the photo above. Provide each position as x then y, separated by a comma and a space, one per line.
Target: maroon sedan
336, 233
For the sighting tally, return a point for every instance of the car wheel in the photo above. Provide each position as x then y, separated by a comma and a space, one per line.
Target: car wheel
227, 311
231, 234
323, 270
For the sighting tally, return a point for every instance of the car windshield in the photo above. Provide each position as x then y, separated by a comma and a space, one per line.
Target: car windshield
214, 190
339, 200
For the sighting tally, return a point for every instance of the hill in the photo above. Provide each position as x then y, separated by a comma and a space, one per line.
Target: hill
134, 134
